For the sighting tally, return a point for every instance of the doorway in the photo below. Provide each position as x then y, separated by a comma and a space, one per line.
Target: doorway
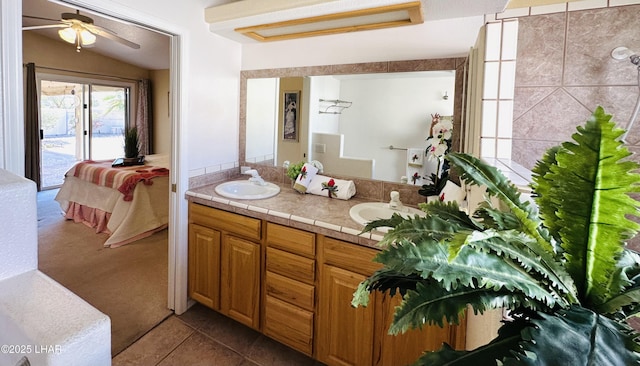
79, 120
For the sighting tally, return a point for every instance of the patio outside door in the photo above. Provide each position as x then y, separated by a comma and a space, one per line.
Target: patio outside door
79, 121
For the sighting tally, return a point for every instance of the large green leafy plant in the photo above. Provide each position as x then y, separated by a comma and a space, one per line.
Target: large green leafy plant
560, 267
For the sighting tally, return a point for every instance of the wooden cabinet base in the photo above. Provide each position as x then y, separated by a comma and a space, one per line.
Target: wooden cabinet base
289, 324
296, 287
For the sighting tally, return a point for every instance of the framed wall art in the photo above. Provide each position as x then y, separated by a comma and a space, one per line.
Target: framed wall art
290, 119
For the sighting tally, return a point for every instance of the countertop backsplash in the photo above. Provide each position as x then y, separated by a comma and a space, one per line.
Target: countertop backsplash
366, 189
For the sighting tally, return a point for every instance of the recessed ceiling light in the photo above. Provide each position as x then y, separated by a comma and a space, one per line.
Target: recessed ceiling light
349, 21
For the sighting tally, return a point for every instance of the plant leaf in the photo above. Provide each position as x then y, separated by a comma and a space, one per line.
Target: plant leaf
505, 345
450, 212
429, 303
627, 302
470, 268
495, 218
578, 336
543, 193
474, 171
588, 187
522, 249
419, 228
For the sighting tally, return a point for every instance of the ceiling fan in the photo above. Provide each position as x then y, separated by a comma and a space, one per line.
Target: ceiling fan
79, 30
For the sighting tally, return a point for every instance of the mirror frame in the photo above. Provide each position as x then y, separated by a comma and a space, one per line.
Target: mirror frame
458, 64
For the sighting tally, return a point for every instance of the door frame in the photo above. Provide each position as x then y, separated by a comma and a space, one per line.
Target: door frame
12, 115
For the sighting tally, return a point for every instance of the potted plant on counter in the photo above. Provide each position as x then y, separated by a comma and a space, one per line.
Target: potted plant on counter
438, 146
293, 170
561, 269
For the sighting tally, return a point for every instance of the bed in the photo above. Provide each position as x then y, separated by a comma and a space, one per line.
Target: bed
127, 203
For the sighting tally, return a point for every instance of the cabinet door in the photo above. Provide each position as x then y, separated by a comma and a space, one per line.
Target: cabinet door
406, 348
345, 334
289, 324
240, 280
204, 265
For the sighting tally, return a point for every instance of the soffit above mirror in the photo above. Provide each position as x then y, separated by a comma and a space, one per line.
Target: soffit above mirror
226, 18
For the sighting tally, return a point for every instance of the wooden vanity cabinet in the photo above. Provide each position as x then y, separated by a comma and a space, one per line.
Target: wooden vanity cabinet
345, 334
406, 348
290, 275
359, 336
296, 287
224, 262
204, 265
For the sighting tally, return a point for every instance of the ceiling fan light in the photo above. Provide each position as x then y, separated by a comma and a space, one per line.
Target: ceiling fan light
68, 35
87, 37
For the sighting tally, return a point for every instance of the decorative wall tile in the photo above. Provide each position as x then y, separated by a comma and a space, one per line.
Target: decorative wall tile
547, 110
549, 9
587, 4
619, 101
528, 152
509, 40
588, 54
553, 119
513, 13
418, 65
623, 2
526, 98
540, 50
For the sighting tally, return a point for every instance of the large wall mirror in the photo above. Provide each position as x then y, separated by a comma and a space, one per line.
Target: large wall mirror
359, 120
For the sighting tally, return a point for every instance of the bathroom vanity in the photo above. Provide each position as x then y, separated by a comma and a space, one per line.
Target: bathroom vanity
287, 266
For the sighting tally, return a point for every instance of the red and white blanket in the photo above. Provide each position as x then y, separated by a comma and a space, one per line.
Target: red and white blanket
124, 179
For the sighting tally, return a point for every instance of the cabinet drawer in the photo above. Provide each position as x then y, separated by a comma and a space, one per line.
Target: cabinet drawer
289, 290
292, 240
350, 256
291, 265
241, 225
289, 324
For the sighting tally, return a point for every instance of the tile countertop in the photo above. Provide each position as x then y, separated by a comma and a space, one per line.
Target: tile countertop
319, 214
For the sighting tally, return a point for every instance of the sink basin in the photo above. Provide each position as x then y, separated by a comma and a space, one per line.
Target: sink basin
364, 213
245, 190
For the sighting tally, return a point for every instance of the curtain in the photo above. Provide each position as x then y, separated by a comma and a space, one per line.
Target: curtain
144, 117
32, 130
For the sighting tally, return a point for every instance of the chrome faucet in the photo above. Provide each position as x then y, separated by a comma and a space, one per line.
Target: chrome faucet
255, 177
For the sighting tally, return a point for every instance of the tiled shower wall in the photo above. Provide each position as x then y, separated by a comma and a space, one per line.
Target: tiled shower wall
564, 70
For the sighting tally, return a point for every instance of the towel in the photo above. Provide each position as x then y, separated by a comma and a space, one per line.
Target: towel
415, 156
307, 172
330, 187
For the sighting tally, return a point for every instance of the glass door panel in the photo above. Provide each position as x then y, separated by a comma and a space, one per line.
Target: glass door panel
61, 130
108, 112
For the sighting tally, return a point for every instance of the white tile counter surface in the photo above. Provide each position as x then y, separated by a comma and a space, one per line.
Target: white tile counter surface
319, 214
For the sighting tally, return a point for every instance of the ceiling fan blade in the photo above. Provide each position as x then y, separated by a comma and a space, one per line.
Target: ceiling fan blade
40, 18
110, 35
45, 26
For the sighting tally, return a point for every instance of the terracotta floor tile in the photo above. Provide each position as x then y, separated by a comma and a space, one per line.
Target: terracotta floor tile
267, 352
199, 349
155, 345
224, 330
196, 315
202, 336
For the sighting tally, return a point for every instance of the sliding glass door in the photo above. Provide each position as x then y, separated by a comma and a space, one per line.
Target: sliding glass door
79, 121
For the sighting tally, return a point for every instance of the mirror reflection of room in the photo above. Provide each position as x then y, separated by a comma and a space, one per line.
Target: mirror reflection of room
355, 125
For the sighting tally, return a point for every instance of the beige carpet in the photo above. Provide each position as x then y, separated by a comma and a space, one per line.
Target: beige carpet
128, 283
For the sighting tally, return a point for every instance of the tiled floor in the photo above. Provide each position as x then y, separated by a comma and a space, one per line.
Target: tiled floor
201, 336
